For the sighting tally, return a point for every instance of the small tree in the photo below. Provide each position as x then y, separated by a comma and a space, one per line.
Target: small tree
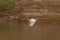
6, 5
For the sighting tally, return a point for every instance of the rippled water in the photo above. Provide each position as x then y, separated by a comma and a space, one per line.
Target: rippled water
22, 31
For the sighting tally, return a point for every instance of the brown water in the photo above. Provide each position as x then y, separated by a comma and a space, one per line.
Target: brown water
22, 31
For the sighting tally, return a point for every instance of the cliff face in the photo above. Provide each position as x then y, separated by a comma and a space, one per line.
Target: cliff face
25, 10
38, 10
37, 6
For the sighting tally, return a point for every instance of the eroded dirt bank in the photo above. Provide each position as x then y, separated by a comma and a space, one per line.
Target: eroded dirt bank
38, 10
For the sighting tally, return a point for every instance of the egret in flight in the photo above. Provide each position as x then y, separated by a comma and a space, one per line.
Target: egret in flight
32, 21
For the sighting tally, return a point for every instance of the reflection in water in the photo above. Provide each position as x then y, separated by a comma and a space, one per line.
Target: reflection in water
22, 31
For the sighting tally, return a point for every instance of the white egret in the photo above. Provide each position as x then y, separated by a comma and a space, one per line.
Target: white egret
32, 21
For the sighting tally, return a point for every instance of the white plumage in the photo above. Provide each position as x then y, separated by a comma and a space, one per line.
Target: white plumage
32, 21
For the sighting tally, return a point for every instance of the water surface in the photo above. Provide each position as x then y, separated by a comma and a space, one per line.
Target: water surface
22, 31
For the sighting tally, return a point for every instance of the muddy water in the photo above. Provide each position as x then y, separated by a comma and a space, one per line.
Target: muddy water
22, 31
